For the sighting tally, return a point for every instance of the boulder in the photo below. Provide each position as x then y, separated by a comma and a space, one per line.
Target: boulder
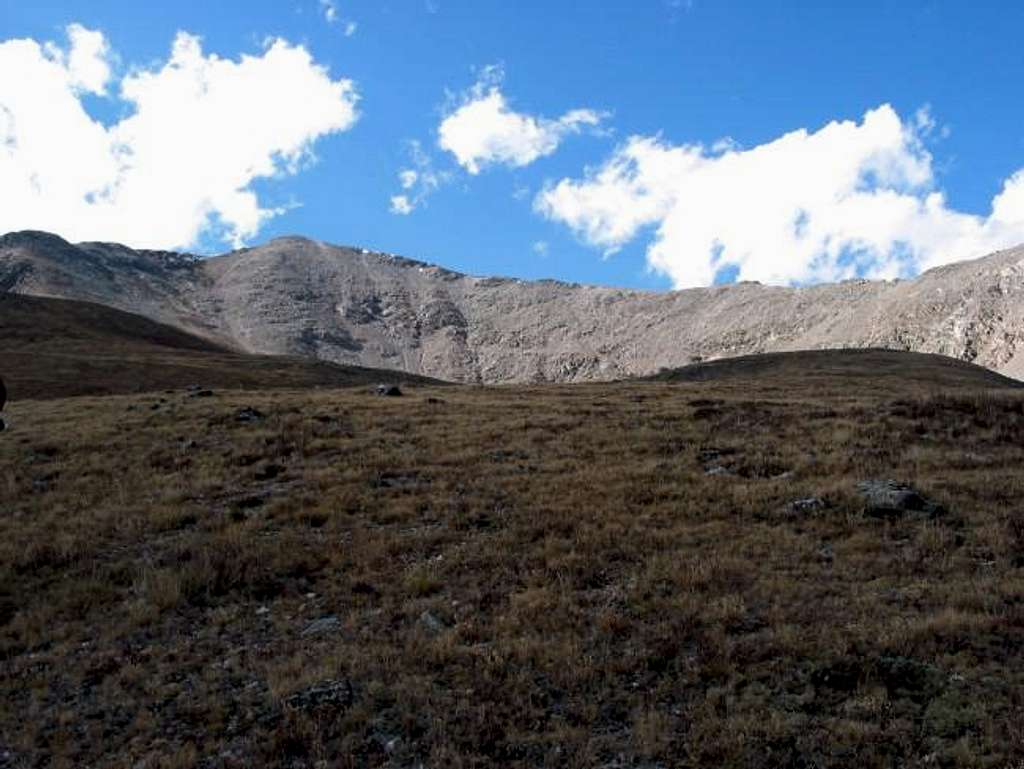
892, 499
248, 414
388, 390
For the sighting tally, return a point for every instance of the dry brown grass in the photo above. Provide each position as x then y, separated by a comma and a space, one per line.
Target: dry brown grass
519, 577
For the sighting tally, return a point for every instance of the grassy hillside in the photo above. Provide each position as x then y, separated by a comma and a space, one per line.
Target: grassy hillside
640, 574
53, 348
872, 368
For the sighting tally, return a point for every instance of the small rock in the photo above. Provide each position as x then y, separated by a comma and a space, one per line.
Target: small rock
717, 470
262, 610
201, 394
388, 390
807, 505
432, 623
248, 414
331, 694
890, 499
322, 626
827, 554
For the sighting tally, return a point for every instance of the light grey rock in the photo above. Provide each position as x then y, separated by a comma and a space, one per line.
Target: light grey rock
248, 414
322, 626
891, 499
807, 505
432, 623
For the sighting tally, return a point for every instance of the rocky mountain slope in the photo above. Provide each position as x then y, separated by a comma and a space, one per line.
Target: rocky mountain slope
57, 348
296, 296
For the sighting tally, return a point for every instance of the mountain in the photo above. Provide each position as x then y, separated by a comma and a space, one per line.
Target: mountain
295, 296
54, 348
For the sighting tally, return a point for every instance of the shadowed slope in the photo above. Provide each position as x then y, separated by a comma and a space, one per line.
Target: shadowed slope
53, 348
843, 368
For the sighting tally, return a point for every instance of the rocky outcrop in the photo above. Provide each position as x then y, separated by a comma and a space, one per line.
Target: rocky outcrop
350, 305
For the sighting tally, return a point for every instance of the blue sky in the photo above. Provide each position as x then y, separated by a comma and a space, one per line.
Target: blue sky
663, 83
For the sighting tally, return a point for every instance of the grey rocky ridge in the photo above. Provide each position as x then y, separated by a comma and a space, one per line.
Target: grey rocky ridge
350, 305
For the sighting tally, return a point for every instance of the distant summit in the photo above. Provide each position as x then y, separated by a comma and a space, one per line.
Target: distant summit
297, 296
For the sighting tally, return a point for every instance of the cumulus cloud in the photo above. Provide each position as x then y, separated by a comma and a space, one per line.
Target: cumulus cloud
853, 199
199, 129
485, 131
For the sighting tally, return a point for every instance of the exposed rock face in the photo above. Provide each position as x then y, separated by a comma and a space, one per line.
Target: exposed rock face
298, 296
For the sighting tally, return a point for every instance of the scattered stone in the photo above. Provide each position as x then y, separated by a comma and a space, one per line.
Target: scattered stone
200, 394
42, 484
322, 626
333, 694
717, 470
807, 505
248, 414
891, 499
432, 622
388, 390
827, 554
262, 610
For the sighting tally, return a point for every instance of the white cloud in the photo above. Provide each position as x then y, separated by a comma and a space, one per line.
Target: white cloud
484, 131
407, 178
851, 199
418, 182
540, 248
200, 130
332, 16
330, 11
401, 205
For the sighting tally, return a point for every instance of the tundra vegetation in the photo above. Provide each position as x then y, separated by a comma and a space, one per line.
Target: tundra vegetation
648, 574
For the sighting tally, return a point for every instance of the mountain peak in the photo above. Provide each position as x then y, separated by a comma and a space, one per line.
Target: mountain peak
356, 306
